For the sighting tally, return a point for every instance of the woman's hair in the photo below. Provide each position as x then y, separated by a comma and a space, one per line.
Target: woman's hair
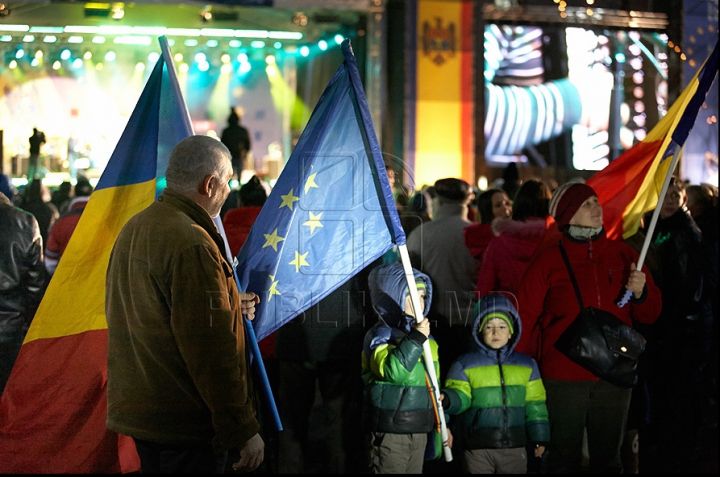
485, 205
531, 200
193, 159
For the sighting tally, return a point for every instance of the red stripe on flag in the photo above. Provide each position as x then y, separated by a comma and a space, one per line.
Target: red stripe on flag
60, 367
619, 183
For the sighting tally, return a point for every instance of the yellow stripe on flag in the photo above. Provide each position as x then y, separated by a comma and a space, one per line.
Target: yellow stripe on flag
439, 110
647, 197
75, 298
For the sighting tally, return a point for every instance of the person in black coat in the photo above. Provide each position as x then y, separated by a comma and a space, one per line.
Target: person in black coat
22, 280
237, 140
674, 359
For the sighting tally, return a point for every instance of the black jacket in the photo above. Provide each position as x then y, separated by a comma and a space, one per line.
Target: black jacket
677, 242
22, 280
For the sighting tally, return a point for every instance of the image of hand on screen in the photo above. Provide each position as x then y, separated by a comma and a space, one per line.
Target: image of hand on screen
522, 108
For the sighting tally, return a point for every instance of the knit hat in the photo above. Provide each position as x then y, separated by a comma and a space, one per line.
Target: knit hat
419, 283
252, 193
566, 201
496, 314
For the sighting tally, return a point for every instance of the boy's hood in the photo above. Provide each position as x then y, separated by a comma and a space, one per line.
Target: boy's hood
388, 287
496, 302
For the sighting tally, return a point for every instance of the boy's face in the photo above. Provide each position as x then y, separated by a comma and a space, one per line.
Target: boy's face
496, 333
408, 303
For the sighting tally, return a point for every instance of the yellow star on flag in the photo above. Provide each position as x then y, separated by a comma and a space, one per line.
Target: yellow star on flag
288, 200
310, 182
273, 288
314, 222
300, 260
272, 240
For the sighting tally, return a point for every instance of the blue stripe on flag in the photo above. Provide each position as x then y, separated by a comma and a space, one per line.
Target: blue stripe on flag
705, 80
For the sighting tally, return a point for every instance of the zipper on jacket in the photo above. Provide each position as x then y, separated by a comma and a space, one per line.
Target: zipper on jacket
504, 396
590, 257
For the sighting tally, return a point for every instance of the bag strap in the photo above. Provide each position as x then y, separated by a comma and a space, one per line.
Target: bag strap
572, 275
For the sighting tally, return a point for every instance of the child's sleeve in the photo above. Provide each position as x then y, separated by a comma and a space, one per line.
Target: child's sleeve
536, 414
393, 362
457, 390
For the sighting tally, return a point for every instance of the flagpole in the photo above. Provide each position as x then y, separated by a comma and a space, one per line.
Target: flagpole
174, 80
429, 364
258, 362
651, 228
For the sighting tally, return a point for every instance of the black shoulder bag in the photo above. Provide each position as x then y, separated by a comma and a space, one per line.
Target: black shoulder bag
600, 342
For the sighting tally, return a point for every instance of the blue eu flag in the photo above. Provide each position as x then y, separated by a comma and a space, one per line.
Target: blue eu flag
330, 214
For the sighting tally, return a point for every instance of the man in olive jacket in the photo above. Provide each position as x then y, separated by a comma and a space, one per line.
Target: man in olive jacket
178, 372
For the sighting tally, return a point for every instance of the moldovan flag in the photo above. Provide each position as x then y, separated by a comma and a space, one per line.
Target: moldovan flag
53, 410
330, 214
630, 186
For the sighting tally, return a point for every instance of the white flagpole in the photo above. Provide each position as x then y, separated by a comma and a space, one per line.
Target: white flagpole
429, 364
651, 228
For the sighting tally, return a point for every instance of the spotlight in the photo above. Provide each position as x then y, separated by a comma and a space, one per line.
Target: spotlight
117, 11
300, 19
4, 10
206, 14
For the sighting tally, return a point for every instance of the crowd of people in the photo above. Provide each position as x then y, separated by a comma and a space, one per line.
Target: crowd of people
493, 271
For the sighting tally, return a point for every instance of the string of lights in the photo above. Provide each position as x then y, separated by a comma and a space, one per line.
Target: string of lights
54, 45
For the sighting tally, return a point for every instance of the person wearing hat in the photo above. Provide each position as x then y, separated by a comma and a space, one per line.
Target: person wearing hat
604, 269
437, 248
497, 394
399, 405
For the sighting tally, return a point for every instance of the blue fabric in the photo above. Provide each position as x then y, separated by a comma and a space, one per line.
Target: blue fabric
705, 80
158, 122
6, 187
330, 214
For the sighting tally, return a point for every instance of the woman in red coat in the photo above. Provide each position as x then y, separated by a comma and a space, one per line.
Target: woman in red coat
577, 399
508, 255
492, 204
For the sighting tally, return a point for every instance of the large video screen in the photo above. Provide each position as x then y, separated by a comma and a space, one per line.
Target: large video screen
569, 96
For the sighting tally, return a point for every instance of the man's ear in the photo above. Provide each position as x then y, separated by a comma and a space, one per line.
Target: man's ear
204, 186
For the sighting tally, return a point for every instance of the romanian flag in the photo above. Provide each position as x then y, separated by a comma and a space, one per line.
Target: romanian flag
53, 410
630, 186
330, 214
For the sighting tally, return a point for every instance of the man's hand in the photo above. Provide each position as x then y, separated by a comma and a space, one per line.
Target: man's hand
248, 300
252, 454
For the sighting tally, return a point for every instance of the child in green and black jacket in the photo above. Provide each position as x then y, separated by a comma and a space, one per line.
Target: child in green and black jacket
497, 394
399, 411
